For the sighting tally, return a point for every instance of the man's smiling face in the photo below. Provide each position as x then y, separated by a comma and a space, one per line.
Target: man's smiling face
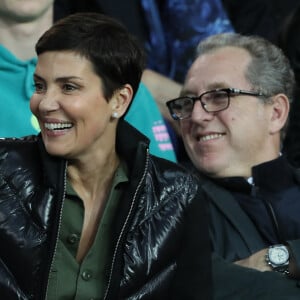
229, 142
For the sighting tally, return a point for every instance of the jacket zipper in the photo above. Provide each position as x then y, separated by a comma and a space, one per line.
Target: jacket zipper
125, 225
59, 225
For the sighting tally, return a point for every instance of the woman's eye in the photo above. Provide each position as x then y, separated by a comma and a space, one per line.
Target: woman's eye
69, 87
39, 87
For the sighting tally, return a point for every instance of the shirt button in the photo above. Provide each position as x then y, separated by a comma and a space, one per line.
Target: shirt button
73, 238
86, 275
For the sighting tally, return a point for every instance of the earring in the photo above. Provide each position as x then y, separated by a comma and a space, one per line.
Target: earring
115, 115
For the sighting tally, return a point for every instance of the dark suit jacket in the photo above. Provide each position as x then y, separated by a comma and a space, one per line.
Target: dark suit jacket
234, 236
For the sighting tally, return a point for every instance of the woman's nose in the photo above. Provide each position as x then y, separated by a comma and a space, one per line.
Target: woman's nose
49, 101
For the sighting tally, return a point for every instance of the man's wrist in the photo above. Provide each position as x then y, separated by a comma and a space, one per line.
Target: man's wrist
278, 257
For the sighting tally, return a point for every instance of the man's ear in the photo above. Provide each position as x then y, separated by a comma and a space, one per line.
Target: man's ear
279, 113
121, 100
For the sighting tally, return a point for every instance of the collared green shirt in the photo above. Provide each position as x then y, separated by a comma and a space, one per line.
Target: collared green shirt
86, 280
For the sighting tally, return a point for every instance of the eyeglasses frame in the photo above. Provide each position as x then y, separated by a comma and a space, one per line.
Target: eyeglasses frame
229, 91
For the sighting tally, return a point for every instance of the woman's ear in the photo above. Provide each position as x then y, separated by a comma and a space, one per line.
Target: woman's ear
279, 113
121, 100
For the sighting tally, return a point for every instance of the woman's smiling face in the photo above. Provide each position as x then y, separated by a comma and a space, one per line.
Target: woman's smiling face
74, 116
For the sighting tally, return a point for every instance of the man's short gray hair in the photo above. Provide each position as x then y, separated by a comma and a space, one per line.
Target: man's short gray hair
269, 71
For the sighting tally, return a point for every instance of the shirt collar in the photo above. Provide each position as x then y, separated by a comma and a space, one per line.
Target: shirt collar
273, 175
121, 176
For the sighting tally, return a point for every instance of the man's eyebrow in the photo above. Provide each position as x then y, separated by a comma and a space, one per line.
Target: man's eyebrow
217, 85
209, 87
185, 93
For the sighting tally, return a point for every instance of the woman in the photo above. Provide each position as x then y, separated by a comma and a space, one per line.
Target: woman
85, 211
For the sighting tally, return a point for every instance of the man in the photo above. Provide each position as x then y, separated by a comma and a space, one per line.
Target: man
21, 24
233, 111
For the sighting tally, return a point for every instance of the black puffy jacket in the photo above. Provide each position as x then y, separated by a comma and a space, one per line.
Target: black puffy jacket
161, 237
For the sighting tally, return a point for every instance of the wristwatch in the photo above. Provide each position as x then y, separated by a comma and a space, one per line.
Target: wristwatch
278, 258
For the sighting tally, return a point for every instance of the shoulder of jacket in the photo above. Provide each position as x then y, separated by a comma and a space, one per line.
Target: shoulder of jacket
165, 165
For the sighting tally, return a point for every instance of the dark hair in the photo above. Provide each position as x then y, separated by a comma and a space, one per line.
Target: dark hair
114, 53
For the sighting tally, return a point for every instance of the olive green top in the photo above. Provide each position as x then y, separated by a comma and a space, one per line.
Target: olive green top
86, 280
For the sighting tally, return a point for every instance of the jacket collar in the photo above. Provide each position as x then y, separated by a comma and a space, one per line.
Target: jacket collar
132, 145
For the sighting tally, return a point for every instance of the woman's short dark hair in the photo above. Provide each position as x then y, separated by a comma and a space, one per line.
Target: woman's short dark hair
114, 53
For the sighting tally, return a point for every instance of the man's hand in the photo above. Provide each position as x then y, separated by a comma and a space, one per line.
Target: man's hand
256, 261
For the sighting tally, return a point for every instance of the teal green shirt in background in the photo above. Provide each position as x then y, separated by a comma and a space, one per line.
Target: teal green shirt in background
16, 119
88, 279
16, 88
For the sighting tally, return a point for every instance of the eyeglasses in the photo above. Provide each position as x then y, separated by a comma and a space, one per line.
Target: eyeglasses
211, 101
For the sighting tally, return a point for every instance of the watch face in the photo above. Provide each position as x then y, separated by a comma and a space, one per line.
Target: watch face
278, 255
